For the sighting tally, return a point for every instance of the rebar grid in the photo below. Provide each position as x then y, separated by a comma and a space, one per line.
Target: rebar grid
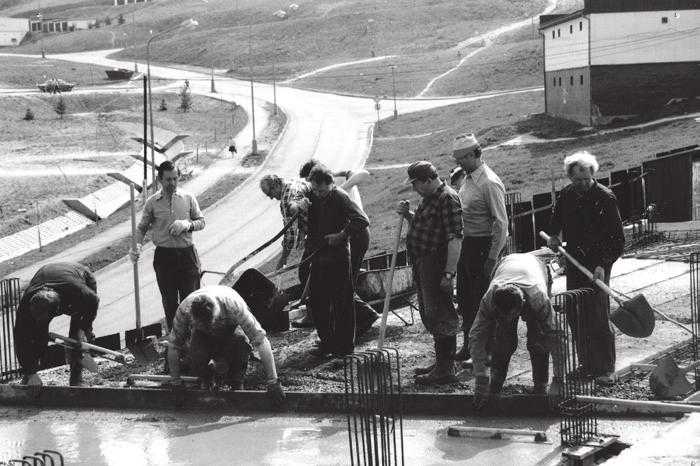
512, 199
694, 302
579, 421
9, 301
373, 405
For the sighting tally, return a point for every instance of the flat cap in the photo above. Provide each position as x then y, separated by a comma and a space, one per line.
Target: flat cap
420, 170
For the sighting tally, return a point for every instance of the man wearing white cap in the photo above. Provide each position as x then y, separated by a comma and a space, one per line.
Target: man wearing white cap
485, 230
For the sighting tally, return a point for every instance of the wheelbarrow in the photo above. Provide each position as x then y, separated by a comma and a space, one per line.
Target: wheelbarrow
634, 316
667, 379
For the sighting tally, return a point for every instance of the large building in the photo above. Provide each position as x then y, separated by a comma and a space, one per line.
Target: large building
13, 31
620, 58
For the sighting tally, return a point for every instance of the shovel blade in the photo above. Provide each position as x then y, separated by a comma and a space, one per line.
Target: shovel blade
635, 317
88, 363
668, 381
144, 352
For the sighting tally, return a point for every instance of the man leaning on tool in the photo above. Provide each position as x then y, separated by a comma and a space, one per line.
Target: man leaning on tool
520, 287
173, 214
433, 242
485, 230
60, 288
215, 323
587, 217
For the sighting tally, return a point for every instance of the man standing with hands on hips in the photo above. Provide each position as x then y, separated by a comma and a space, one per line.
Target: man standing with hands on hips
433, 242
485, 230
173, 214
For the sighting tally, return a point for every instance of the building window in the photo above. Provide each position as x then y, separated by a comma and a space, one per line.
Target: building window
554, 81
581, 79
571, 80
571, 28
553, 35
580, 25
558, 32
559, 80
664, 19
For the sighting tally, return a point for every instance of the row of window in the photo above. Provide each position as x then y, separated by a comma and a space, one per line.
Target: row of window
556, 81
557, 33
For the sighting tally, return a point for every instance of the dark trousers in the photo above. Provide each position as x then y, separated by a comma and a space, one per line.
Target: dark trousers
434, 305
332, 303
505, 342
358, 247
230, 354
592, 330
177, 273
472, 282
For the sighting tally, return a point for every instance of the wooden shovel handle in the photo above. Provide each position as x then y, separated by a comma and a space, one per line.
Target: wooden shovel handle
390, 283
585, 271
85, 345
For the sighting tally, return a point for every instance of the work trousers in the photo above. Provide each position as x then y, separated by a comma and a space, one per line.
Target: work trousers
472, 282
230, 354
332, 302
177, 272
437, 311
505, 342
592, 330
358, 247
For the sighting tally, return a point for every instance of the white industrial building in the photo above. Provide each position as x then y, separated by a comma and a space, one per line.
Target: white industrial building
620, 58
13, 31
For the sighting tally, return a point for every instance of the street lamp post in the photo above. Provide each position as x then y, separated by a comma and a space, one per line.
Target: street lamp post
254, 144
393, 88
188, 23
41, 34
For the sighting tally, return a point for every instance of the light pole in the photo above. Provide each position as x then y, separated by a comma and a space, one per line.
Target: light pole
393, 88
188, 23
254, 145
41, 33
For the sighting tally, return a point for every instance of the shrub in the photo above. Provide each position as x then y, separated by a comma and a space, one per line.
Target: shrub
60, 107
108, 21
121, 19
163, 106
29, 115
185, 97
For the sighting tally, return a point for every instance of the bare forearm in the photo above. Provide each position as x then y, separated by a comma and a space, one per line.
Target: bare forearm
454, 247
267, 359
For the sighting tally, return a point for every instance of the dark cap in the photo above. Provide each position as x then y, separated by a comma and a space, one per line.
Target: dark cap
420, 170
455, 173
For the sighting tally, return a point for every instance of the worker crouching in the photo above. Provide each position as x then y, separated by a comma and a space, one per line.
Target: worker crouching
519, 287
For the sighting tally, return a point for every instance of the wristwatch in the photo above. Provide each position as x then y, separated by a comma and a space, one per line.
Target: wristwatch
450, 275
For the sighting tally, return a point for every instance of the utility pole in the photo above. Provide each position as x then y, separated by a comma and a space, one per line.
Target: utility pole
377, 106
274, 89
213, 89
393, 88
254, 145
133, 24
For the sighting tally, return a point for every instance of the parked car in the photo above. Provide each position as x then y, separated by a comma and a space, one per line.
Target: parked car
55, 85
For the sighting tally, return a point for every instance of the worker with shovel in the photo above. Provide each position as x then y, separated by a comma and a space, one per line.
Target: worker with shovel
60, 288
433, 242
587, 217
519, 287
215, 324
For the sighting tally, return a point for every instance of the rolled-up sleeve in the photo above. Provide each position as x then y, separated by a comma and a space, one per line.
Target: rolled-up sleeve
480, 333
451, 215
245, 319
180, 332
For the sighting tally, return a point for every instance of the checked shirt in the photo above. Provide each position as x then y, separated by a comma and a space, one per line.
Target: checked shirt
293, 191
436, 221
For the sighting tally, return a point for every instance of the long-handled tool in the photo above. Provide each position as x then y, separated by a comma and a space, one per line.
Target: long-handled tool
390, 283
667, 380
143, 352
494, 432
635, 316
72, 343
648, 407
133, 378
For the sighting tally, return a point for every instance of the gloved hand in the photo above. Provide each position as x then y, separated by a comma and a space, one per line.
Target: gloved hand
178, 227
276, 393
481, 391
556, 393
34, 383
90, 336
553, 243
135, 253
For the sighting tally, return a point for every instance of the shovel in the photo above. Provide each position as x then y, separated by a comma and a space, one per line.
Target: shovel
143, 353
667, 380
389, 283
634, 311
87, 361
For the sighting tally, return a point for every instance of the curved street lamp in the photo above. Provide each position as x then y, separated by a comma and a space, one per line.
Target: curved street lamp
189, 24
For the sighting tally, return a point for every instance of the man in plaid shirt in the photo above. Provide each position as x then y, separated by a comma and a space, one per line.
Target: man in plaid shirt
433, 243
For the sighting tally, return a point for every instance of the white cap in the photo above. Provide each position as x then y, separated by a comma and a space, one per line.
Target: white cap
464, 144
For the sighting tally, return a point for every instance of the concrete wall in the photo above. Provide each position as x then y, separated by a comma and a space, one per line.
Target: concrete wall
645, 37
566, 44
12, 31
567, 94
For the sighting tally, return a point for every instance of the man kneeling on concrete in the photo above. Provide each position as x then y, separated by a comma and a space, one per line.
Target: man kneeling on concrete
215, 323
519, 287
60, 288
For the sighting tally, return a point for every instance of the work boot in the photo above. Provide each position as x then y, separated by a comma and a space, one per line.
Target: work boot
444, 370
76, 376
305, 322
426, 369
463, 354
540, 388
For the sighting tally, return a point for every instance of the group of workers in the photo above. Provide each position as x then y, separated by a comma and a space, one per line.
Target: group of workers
454, 236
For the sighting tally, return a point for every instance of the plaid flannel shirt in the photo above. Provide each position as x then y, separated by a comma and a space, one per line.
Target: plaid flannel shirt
436, 221
293, 191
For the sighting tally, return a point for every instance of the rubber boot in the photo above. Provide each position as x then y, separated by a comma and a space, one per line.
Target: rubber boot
76, 375
499, 370
426, 369
444, 370
463, 354
540, 372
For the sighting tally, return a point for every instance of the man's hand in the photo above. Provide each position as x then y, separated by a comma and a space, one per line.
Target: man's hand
178, 227
553, 243
481, 391
488, 266
135, 253
276, 393
599, 273
336, 238
403, 209
556, 392
446, 284
34, 383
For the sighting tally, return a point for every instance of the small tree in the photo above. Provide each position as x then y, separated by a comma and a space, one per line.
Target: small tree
108, 21
121, 19
163, 106
60, 107
97, 23
185, 97
29, 115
